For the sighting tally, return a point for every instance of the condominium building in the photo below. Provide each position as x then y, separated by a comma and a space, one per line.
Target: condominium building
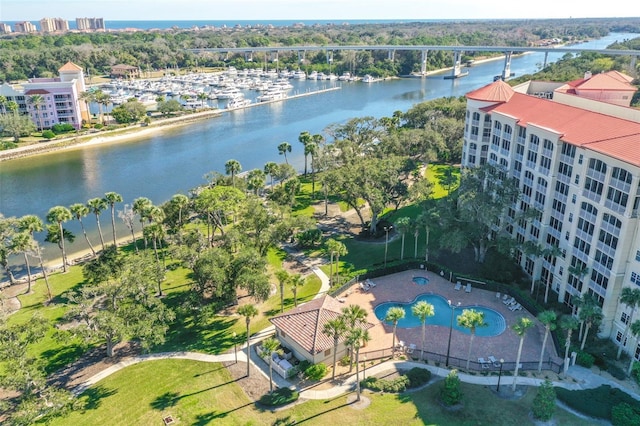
5, 28
25, 27
49, 101
90, 24
53, 25
574, 151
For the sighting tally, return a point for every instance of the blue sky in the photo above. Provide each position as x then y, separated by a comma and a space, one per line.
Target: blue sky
34, 10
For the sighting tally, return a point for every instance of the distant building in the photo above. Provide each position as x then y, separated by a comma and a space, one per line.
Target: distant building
124, 71
573, 149
25, 27
53, 25
90, 24
5, 28
60, 98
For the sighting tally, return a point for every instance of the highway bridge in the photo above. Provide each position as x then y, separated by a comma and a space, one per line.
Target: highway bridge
457, 51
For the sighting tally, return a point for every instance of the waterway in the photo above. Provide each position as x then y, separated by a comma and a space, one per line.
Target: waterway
175, 161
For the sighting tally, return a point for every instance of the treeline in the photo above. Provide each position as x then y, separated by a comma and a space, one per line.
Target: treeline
26, 56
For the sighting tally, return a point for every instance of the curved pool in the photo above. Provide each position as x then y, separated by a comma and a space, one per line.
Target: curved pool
496, 323
420, 280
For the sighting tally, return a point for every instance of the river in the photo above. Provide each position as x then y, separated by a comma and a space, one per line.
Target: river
175, 161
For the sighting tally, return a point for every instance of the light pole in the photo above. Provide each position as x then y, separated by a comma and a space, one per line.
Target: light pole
364, 369
235, 346
386, 243
453, 310
500, 374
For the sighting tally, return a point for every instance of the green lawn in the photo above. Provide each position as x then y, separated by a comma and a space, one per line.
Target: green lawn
198, 393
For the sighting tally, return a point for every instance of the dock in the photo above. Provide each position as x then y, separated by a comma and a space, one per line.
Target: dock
299, 95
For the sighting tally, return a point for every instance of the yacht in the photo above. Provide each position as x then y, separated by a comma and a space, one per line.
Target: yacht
299, 75
368, 79
238, 103
273, 94
229, 92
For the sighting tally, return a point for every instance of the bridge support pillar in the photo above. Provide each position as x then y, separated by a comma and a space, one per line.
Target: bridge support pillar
391, 54
455, 73
301, 56
632, 65
248, 56
546, 58
506, 71
423, 62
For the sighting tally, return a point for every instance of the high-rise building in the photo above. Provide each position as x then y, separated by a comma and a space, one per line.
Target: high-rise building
90, 24
25, 27
574, 151
49, 101
53, 25
5, 28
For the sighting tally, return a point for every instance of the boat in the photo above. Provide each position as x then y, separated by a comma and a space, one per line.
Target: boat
299, 75
228, 93
273, 94
368, 79
313, 75
346, 76
453, 77
238, 103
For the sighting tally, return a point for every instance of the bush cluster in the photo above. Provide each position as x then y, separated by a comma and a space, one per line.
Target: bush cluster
315, 372
544, 403
625, 415
399, 384
585, 359
62, 128
281, 396
597, 402
418, 377
451, 394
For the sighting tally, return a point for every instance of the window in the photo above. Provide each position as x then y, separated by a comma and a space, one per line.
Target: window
613, 221
585, 226
580, 157
558, 206
570, 217
608, 239
621, 175
573, 199
548, 145
617, 197
597, 165
562, 188
565, 169
545, 162
534, 141
635, 278
589, 209
638, 255
582, 245
624, 318
577, 179
604, 260
568, 150
532, 156
557, 225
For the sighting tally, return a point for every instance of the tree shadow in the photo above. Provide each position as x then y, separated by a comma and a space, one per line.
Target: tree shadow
164, 401
91, 398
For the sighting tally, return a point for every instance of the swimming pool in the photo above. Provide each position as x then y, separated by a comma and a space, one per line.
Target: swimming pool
496, 323
420, 280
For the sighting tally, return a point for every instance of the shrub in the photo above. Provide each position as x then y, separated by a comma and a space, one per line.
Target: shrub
316, 371
635, 371
48, 134
345, 360
7, 145
625, 415
399, 384
279, 397
544, 403
616, 371
451, 393
418, 377
585, 359
98, 126
62, 128
596, 402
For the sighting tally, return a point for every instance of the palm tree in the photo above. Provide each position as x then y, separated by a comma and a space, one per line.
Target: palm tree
97, 205
111, 198
202, 96
313, 149
283, 148
340, 250
248, 311
59, 215
31, 223
334, 328
181, 201
471, 319
591, 315
232, 167
548, 318
354, 316
394, 314
141, 207
87, 97
296, 281
631, 298
416, 233
269, 346
423, 310
271, 169
427, 219
568, 323
550, 252
635, 332
520, 329
36, 101
332, 247
23, 243
283, 278
3, 104
357, 338
533, 250
79, 210
305, 139
128, 217
402, 225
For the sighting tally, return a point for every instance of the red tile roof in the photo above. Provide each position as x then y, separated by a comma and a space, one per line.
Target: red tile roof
70, 66
304, 324
602, 133
609, 81
36, 92
498, 91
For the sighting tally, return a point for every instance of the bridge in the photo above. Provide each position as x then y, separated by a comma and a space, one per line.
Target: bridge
457, 51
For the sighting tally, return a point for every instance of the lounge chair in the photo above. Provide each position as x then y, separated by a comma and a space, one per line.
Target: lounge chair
400, 345
498, 295
468, 288
411, 348
364, 287
458, 285
509, 301
371, 283
515, 307
493, 361
505, 297
483, 363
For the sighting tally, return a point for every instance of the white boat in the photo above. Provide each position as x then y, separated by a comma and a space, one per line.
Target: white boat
228, 93
313, 75
299, 75
238, 103
368, 79
346, 76
273, 94
331, 77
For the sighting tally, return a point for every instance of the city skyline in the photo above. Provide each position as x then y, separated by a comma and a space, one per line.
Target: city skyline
132, 10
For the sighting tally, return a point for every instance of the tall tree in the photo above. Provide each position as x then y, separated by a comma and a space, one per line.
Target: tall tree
423, 310
97, 205
16, 125
635, 332
568, 323
23, 243
471, 319
354, 317
8, 228
394, 314
283, 148
403, 225
36, 102
128, 216
534, 251
270, 169
111, 198
181, 201
357, 338
232, 167
79, 210
520, 328
305, 139
59, 215
269, 346
334, 328
296, 282
32, 224
631, 298
548, 319
283, 277
248, 311
592, 316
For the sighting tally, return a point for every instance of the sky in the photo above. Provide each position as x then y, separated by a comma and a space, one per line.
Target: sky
111, 10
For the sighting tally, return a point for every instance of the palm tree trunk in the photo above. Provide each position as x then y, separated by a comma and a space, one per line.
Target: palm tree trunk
584, 338
544, 342
424, 323
515, 373
100, 232
44, 274
84, 232
248, 349
113, 226
64, 254
358, 374
335, 354
26, 262
469, 353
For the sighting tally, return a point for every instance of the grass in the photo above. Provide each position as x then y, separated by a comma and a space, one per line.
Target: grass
198, 393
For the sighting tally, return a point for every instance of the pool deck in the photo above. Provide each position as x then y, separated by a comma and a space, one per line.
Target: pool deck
399, 287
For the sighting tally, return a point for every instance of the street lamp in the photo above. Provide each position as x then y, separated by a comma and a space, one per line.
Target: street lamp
235, 346
500, 374
386, 243
364, 369
453, 310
